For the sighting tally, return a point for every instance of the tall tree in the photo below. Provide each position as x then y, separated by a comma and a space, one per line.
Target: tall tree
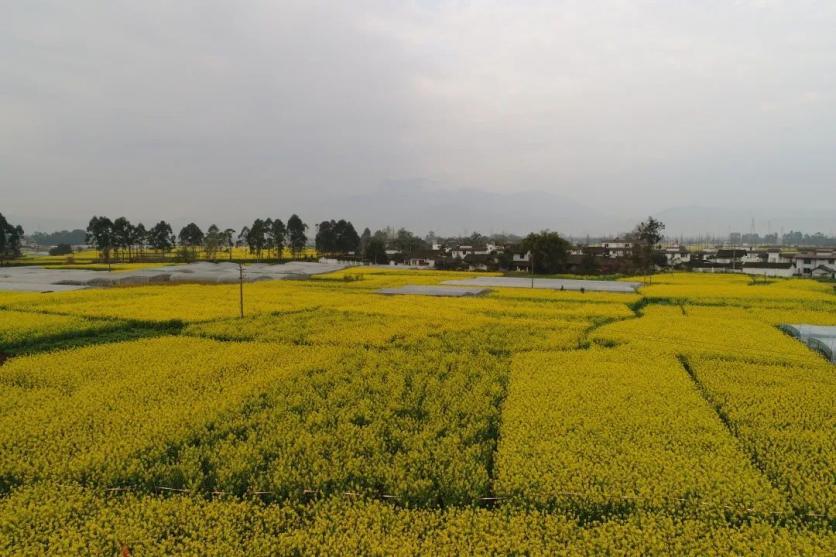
269, 243
326, 237
296, 234
161, 237
364, 240
242, 236
100, 236
139, 238
376, 251
122, 236
213, 241
11, 237
279, 234
408, 243
191, 236
549, 250
347, 239
229, 242
257, 238
645, 238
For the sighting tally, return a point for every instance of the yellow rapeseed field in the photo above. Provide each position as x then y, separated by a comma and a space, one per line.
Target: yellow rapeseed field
334, 420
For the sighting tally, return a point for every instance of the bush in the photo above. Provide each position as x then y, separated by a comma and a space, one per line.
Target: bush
61, 249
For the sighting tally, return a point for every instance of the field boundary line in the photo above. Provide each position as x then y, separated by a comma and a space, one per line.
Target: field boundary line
732, 428
745, 512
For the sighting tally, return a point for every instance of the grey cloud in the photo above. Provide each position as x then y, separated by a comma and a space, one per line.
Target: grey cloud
222, 111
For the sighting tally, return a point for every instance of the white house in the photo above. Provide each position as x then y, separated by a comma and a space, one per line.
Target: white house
424, 260
823, 271
764, 269
774, 255
804, 263
677, 255
730, 256
520, 261
617, 248
460, 252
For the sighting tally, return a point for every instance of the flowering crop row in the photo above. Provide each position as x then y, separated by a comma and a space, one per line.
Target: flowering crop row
110, 414
343, 327
783, 414
609, 431
56, 520
727, 332
200, 302
738, 290
18, 328
202, 415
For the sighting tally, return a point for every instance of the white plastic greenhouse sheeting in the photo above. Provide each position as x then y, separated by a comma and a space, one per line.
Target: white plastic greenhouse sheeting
805, 332
549, 284
423, 290
40, 279
817, 337
825, 345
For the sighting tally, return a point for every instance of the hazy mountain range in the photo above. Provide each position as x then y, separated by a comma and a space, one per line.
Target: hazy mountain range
460, 212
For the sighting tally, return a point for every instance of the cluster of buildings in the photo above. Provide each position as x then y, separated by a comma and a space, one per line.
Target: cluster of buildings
616, 255
772, 262
473, 257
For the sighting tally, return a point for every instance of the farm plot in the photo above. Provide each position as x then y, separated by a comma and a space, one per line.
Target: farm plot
352, 328
728, 332
335, 420
609, 432
113, 414
21, 329
67, 520
783, 415
201, 416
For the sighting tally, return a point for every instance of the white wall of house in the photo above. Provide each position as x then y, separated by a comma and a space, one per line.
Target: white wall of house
824, 271
804, 263
769, 272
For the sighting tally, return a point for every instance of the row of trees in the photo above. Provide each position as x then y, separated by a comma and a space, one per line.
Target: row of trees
550, 251
270, 236
126, 241
11, 237
337, 237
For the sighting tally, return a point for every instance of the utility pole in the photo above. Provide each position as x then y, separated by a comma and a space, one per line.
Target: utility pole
532, 268
241, 288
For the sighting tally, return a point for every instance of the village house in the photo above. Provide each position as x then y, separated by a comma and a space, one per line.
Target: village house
424, 259
805, 263
774, 255
520, 261
462, 251
677, 255
617, 248
729, 256
766, 269
824, 271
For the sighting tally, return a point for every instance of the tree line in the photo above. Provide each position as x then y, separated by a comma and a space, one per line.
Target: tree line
271, 238
265, 238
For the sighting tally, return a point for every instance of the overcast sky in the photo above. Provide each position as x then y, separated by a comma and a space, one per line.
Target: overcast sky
223, 111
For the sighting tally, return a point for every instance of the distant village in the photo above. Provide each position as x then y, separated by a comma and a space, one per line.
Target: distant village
616, 256
645, 249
